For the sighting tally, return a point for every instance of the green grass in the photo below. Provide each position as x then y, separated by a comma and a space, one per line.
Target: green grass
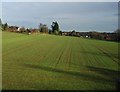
49, 62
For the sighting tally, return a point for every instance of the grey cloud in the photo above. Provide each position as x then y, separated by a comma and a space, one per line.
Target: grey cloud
79, 16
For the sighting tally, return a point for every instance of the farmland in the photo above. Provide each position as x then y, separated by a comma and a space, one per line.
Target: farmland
49, 62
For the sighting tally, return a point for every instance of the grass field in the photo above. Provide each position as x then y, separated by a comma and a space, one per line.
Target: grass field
49, 62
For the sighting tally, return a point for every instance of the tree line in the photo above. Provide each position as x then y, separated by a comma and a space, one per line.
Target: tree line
55, 29
42, 28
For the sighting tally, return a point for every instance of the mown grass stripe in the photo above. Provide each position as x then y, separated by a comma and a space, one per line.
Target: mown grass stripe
81, 65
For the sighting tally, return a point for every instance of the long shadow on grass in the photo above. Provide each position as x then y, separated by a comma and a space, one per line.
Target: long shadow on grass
110, 74
105, 72
82, 76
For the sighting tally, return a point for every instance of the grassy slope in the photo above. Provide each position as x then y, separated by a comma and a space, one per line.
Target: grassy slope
57, 62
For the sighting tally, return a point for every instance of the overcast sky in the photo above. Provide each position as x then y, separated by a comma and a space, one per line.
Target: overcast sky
59, 0
79, 16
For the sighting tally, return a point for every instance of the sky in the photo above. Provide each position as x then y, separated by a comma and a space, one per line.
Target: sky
59, 0
78, 16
